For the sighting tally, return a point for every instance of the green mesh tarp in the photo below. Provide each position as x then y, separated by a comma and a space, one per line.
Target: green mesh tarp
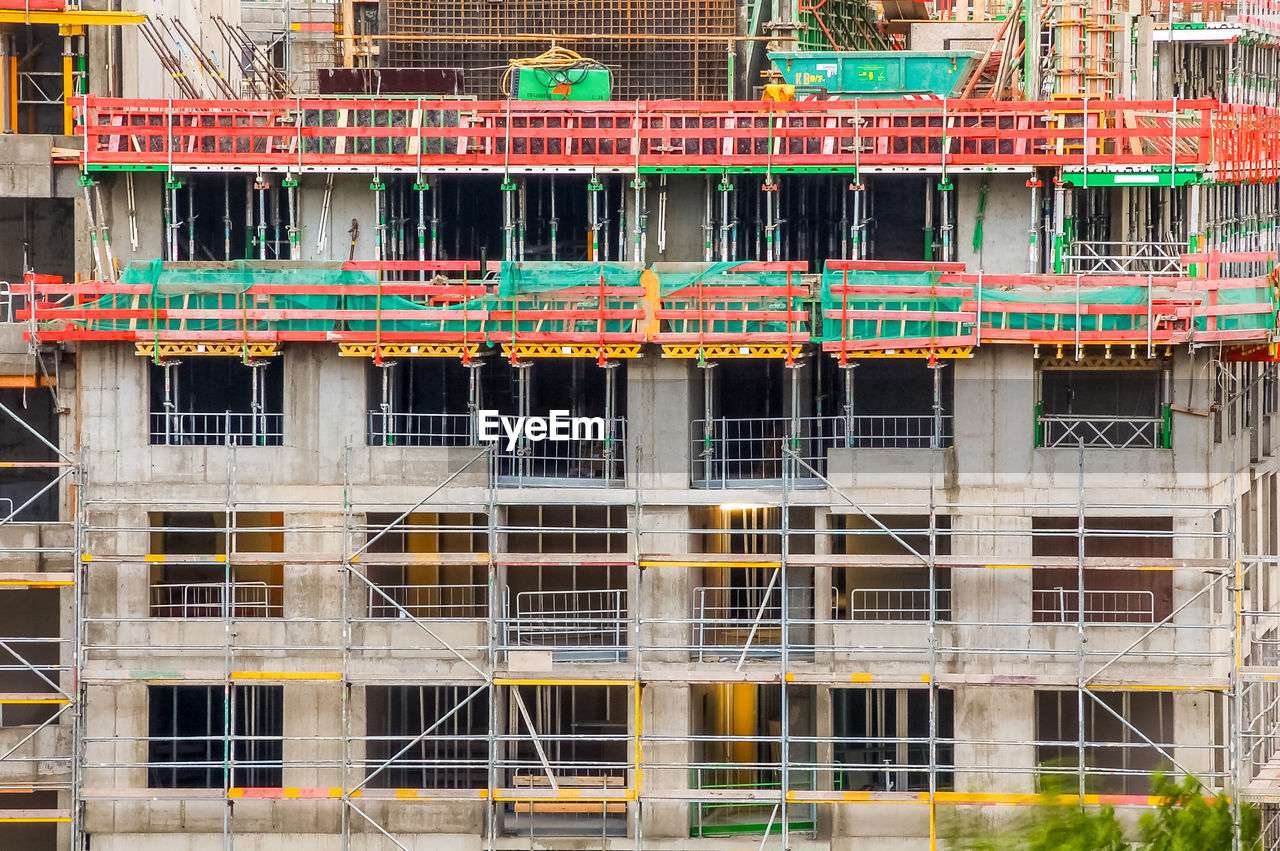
221, 286
533, 288
715, 285
939, 325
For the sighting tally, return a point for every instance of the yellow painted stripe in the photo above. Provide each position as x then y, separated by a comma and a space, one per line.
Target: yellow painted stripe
154, 557
859, 678
42, 700
519, 682
86, 557
36, 583
35, 820
285, 675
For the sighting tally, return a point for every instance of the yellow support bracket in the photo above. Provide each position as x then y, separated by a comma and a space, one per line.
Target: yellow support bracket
70, 17
211, 350
408, 350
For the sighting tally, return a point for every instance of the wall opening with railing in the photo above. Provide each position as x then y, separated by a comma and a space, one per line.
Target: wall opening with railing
889, 593
215, 401
551, 528
750, 529
1102, 407
892, 404
576, 612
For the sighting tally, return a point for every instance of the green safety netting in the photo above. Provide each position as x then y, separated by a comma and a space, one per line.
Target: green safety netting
715, 284
540, 286
888, 328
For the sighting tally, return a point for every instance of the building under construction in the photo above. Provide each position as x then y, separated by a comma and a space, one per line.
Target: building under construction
663, 424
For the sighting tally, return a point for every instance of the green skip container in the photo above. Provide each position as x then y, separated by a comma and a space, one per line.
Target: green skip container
879, 73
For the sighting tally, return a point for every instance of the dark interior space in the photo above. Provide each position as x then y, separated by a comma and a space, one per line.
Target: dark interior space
751, 388
859, 716
897, 230
1101, 392
893, 403
210, 401
565, 528
454, 756
18, 485
30, 631
1105, 537
186, 728
1058, 720
36, 234
857, 534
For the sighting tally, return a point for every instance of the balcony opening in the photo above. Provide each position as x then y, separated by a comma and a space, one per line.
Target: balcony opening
202, 582
23, 834
739, 749
882, 739
889, 594
577, 612
30, 654
858, 534
453, 755
738, 612
186, 748
1104, 407
893, 404
537, 528
217, 401
590, 401
441, 588
28, 494
1110, 596
752, 409
1117, 760
583, 742
419, 402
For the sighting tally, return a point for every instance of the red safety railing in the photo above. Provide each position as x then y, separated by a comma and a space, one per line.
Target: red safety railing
408, 135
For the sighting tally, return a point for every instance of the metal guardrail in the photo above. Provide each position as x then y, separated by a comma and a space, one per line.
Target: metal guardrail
897, 604
205, 600
406, 429
1125, 258
581, 462
726, 616
898, 431
727, 451
561, 620
1069, 430
430, 602
568, 621
1062, 605
229, 428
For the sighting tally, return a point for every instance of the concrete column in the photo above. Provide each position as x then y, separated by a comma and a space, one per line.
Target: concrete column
659, 405
667, 712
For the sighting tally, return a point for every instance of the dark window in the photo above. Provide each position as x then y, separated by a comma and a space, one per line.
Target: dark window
1117, 759
865, 720
453, 756
186, 729
20, 486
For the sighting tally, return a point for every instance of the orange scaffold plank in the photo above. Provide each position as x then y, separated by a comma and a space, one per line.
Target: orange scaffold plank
428, 135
